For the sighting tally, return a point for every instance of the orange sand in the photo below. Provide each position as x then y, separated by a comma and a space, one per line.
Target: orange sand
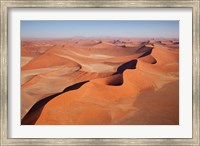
95, 82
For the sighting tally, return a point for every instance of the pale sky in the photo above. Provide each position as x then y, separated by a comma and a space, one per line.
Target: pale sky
99, 28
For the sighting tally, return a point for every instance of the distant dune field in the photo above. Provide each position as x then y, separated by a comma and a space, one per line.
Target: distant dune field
111, 81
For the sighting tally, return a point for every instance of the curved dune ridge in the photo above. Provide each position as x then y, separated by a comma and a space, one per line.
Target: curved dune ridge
100, 82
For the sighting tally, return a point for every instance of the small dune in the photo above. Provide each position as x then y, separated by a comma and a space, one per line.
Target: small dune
148, 59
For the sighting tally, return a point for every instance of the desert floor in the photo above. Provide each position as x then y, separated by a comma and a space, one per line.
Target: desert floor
92, 81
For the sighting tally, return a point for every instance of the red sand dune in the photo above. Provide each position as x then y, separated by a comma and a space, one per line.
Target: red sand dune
91, 81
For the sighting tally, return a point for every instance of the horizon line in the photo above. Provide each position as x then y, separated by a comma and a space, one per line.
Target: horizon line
103, 37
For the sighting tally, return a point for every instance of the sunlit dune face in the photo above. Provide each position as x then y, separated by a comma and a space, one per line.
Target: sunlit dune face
100, 81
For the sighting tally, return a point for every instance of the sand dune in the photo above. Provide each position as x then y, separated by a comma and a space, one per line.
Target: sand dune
148, 59
107, 81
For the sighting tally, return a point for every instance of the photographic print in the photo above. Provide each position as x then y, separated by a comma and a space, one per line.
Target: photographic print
99, 72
